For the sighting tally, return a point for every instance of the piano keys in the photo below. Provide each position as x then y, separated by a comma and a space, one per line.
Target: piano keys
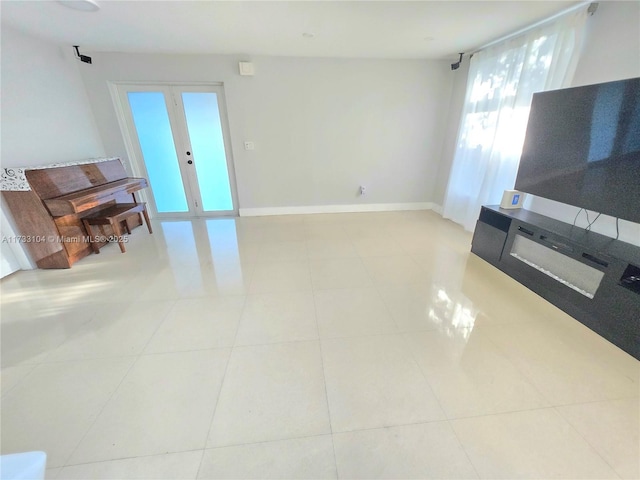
48, 203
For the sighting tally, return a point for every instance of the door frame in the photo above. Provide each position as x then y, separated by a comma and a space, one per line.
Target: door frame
175, 111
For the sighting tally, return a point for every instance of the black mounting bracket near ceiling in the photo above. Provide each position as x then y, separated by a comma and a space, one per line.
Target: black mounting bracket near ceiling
456, 65
83, 58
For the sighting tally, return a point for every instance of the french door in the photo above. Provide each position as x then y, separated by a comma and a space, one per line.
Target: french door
180, 141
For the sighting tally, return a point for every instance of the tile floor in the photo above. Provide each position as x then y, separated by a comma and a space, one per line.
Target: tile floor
322, 346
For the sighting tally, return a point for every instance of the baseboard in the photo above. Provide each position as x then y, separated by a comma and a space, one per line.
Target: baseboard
367, 207
437, 208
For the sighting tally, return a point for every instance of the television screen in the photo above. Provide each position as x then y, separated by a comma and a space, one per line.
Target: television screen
582, 147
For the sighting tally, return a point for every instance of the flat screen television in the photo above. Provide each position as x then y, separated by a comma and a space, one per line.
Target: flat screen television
582, 147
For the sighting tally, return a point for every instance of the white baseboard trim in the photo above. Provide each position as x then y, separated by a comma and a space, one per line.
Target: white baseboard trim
368, 207
437, 208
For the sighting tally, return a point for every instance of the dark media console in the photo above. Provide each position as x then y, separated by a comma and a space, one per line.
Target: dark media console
593, 278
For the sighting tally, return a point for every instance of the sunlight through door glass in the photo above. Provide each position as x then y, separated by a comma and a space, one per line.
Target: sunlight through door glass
205, 132
156, 142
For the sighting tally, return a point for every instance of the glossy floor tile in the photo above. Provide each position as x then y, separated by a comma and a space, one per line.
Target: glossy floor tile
198, 324
327, 274
352, 311
377, 246
532, 444
169, 466
356, 345
53, 407
562, 366
427, 450
278, 317
120, 329
395, 270
54, 324
310, 457
12, 376
163, 405
470, 376
374, 382
282, 251
286, 397
52, 473
274, 277
320, 249
611, 427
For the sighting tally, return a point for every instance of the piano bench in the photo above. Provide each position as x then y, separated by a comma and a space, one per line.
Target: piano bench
114, 215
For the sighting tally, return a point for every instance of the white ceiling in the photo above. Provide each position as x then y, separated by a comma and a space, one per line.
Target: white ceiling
360, 29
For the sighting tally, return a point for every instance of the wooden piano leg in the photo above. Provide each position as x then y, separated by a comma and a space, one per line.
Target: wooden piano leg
115, 226
146, 217
94, 245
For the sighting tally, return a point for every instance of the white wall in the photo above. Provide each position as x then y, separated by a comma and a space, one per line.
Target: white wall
611, 52
321, 127
612, 45
45, 113
450, 138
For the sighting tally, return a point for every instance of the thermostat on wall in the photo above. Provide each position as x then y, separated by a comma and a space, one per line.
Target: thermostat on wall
512, 199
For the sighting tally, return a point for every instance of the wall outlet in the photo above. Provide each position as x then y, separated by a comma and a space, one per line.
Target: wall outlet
363, 190
249, 146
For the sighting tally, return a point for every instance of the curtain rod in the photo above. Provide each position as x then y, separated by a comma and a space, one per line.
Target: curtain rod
593, 6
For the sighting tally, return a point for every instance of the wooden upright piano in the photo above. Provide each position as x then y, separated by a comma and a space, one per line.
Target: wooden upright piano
48, 203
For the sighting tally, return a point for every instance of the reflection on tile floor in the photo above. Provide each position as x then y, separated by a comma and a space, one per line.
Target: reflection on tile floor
369, 345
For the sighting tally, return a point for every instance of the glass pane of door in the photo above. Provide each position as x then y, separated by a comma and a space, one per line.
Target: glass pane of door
205, 134
152, 124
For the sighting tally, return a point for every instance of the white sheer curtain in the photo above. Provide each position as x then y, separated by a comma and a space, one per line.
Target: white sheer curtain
502, 81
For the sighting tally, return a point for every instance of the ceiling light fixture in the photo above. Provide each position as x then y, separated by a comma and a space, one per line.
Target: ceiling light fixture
81, 5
